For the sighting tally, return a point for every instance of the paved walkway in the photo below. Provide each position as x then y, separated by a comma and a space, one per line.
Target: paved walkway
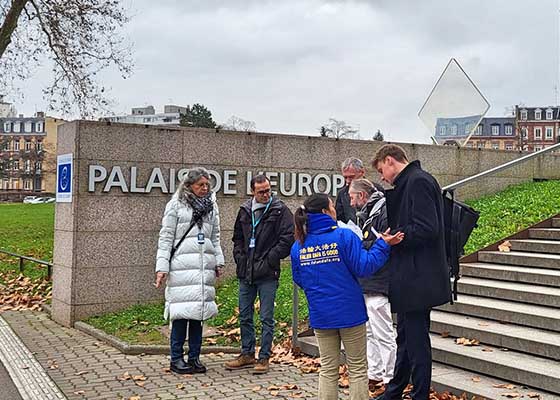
84, 368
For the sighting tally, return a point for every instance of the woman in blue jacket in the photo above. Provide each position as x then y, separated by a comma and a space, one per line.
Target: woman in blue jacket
327, 262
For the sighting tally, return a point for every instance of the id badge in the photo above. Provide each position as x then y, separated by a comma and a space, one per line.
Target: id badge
201, 238
252, 243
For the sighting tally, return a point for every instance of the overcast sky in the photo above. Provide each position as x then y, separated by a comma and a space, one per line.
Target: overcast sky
291, 65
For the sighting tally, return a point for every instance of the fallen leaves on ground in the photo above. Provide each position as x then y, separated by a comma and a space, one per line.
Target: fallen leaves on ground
505, 246
467, 342
505, 386
511, 395
23, 293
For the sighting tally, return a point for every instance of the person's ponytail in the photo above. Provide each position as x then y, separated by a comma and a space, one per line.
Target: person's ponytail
300, 224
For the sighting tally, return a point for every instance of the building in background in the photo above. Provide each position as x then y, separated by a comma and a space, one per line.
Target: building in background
453, 131
6, 109
539, 126
28, 153
498, 133
147, 115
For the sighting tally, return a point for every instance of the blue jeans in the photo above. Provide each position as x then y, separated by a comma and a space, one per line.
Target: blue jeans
247, 294
178, 335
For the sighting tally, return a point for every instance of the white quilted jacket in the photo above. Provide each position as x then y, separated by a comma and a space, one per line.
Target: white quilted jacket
190, 292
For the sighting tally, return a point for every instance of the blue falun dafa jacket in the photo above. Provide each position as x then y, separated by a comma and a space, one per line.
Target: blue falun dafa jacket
327, 267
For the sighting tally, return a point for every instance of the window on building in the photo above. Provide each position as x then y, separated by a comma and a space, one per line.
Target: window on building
538, 114
453, 129
524, 133
538, 133
496, 145
442, 130
468, 128
478, 130
28, 127
549, 132
509, 146
39, 127
508, 129
27, 184
39, 146
495, 130
38, 166
27, 145
16, 145
6, 146
524, 115
6, 184
481, 144
7, 127
549, 114
538, 148
27, 165
15, 165
469, 145
17, 127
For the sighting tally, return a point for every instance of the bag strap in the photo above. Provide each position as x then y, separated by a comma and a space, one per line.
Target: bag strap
174, 249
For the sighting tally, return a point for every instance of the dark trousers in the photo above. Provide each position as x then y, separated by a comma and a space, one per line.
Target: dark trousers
414, 356
178, 335
247, 295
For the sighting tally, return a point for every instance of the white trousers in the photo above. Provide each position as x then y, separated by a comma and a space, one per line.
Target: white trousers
381, 344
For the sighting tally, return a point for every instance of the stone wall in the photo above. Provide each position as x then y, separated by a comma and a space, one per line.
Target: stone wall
105, 242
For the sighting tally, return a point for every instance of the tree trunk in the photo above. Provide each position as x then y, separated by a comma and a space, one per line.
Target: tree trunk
10, 24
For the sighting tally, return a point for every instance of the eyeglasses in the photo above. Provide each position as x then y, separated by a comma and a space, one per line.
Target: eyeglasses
265, 191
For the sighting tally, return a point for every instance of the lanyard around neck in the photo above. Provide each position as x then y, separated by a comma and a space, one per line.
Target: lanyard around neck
255, 223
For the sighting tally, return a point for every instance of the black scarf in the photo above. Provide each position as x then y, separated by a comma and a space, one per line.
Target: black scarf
201, 206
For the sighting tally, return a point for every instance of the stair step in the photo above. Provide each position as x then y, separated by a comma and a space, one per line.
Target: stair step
540, 260
506, 311
446, 378
536, 246
514, 273
514, 291
521, 368
556, 222
544, 233
520, 338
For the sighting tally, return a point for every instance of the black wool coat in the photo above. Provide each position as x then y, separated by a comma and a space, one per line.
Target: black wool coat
419, 271
274, 239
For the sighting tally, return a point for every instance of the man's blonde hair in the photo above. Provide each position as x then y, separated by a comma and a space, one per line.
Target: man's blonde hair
393, 150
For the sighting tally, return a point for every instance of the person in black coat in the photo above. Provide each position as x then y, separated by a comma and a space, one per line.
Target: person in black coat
419, 272
262, 236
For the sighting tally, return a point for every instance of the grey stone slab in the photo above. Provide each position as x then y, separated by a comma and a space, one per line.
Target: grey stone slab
64, 249
540, 260
538, 276
528, 340
62, 312
536, 246
64, 216
556, 222
545, 233
62, 283
524, 369
518, 292
66, 138
134, 142
506, 311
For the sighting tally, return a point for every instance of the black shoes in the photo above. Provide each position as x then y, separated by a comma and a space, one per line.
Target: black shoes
197, 366
181, 367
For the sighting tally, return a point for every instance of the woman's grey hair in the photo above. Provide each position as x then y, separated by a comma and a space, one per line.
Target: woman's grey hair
189, 179
353, 162
362, 185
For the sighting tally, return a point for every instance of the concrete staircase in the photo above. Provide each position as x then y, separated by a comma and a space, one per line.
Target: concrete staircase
510, 303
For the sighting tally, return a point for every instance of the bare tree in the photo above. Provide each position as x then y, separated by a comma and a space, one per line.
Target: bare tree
339, 129
235, 123
80, 37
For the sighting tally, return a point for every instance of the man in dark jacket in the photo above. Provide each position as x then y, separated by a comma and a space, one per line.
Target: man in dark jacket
371, 217
352, 168
419, 272
263, 235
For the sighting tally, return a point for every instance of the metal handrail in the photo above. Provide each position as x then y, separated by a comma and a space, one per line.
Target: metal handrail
499, 168
32, 259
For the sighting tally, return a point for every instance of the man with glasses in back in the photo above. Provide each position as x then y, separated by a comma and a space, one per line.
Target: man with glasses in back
263, 235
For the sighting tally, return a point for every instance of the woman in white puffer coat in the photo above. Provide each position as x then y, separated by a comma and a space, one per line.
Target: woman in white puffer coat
190, 266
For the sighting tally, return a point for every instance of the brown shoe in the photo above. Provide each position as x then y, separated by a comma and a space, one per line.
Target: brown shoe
261, 367
242, 361
374, 384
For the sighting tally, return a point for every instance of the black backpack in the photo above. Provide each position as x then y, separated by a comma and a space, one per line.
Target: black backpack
459, 221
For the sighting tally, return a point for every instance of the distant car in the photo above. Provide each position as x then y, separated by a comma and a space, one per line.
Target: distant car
29, 199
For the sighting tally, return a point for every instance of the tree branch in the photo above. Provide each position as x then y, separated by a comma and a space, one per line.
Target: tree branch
10, 24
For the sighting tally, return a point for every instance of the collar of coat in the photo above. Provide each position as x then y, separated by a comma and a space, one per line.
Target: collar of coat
412, 166
320, 223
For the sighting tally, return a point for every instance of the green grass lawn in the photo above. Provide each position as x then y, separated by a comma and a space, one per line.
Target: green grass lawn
28, 229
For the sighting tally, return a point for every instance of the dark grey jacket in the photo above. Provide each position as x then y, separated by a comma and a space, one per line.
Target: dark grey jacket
274, 238
374, 215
